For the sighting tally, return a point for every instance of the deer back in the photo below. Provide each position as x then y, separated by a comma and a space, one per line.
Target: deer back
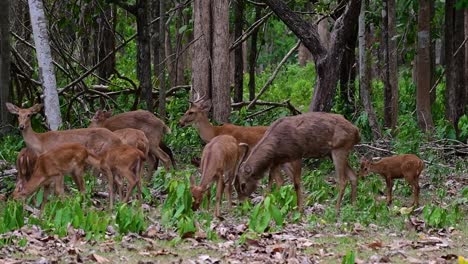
135, 138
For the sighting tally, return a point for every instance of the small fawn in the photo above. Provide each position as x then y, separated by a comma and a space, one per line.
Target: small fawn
406, 166
66, 158
220, 159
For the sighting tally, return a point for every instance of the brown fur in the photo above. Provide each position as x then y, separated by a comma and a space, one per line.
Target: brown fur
67, 158
122, 161
220, 160
309, 135
95, 140
251, 135
145, 121
406, 166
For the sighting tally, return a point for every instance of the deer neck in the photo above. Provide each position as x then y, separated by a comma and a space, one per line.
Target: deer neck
377, 167
205, 129
32, 140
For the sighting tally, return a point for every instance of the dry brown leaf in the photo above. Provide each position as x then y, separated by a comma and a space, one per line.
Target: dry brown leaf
99, 259
375, 245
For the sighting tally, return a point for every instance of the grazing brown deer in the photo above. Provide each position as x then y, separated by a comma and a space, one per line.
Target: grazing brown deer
406, 166
220, 159
145, 121
118, 162
63, 159
309, 135
197, 115
96, 140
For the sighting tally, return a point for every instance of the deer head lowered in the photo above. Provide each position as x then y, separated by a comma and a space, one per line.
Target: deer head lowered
197, 115
309, 135
220, 160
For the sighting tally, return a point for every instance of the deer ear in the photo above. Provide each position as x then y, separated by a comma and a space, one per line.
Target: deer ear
36, 108
107, 114
192, 180
244, 149
12, 108
205, 105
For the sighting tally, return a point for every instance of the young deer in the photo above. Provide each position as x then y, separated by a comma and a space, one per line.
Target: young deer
406, 166
122, 161
220, 159
145, 121
95, 140
69, 158
309, 135
197, 115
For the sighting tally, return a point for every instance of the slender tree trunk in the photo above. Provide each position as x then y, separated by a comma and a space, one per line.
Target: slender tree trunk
433, 52
162, 57
450, 95
365, 72
5, 118
238, 52
201, 58
390, 63
221, 98
348, 73
144, 52
46, 68
253, 55
465, 98
155, 45
106, 41
423, 101
459, 63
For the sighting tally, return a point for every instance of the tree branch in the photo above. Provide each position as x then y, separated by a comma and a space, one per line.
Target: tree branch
273, 76
305, 31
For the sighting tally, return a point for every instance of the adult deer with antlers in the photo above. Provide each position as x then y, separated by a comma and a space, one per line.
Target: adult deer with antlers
309, 135
197, 115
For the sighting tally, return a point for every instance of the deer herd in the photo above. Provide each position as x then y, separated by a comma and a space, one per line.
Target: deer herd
234, 156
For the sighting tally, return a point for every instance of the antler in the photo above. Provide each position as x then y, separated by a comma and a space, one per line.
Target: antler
196, 96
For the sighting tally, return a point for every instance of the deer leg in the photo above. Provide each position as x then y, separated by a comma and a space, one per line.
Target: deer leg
131, 184
208, 197
339, 160
296, 179
275, 175
152, 164
77, 176
353, 179
389, 182
164, 157
110, 178
219, 195
228, 188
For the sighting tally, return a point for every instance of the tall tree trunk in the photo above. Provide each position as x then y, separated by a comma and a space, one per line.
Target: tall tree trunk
450, 95
238, 52
46, 68
348, 73
106, 41
220, 59
390, 63
201, 62
155, 45
365, 72
327, 61
144, 52
423, 101
5, 118
162, 57
253, 55
433, 52
459, 62
465, 98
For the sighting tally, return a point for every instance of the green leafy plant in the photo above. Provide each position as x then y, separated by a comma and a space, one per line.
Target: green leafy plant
349, 258
438, 217
177, 209
130, 218
12, 217
264, 212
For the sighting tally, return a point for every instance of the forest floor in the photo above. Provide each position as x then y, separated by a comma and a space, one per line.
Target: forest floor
303, 241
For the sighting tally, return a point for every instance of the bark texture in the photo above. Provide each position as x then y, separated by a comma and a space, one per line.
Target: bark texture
220, 59
5, 117
238, 52
46, 68
423, 99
